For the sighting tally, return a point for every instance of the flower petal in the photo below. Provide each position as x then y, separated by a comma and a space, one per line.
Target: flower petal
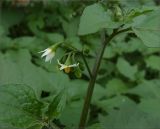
49, 57
42, 51
46, 52
63, 67
74, 65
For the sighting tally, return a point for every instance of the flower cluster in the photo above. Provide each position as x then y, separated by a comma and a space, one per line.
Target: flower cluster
49, 54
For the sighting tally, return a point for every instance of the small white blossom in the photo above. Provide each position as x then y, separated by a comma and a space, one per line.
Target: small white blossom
63, 66
48, 53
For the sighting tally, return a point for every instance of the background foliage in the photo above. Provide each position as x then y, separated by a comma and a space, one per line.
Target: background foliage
127, 92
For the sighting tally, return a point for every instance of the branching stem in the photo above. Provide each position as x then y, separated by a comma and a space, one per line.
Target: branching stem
95, 73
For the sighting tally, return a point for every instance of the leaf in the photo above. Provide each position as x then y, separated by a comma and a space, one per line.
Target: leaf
147, 28
135, 12
57, 105
150, 106
16, 67
133, 45
126, 69
36, 20
37, 126
115, 86
109, 52
53, 37
10, 17
5, 43
147, 89
71, 27
111, 103
19, 106
2, 30
127, 117
95, 126
4, 127
153, 62
34, 43
93, 19
152, 50
73, 110
74, 41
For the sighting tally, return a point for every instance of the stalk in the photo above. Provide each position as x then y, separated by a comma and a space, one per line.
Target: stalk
87, 66
95, 73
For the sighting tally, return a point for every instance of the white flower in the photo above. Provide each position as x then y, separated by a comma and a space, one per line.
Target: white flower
48, 53
67, 68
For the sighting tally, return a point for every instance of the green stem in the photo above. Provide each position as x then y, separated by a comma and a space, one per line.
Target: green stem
87, 66
94, 75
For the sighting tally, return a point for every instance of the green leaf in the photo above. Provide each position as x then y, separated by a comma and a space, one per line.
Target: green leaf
129, 116
115, 86
10, 17
34, 43
147, 28
152, 50
93, 19
134, 44
74, 41
19, 106
16, 67
53, 37
111, 103
135, 12
73, 110
95, 126
2, 30
57, 105
71, 27
150, 106
37, 126
6, 127
126, 69
147, 89
153, 62
109, 52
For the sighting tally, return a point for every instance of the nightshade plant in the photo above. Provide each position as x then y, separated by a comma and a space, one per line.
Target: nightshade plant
106, 20
95, 18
